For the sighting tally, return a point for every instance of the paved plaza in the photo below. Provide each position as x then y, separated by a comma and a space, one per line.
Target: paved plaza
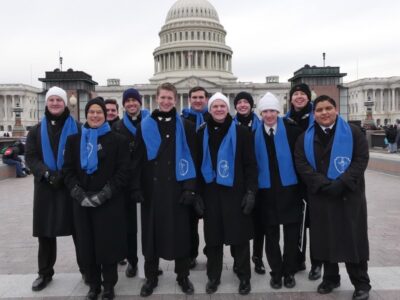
18, 254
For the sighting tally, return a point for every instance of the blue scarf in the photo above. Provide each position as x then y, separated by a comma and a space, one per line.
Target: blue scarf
225, 160
199, 115
89, 160
254, 124
310, 115
128, 124
184, 166
69, 128
342, 148
283, 156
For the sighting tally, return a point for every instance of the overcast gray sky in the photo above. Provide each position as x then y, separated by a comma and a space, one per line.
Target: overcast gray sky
116, 39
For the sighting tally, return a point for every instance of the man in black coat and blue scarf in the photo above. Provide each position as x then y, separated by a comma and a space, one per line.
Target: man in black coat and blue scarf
133, 115
52, 206
331, 157
228, 186
165, 176
278, 195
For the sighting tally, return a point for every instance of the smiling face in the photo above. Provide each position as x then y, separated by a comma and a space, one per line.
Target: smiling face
299, 100
325, 113
243, 107
198, 101
166, 100
269, 117
132, 106
219, 111
55, 105
95, 116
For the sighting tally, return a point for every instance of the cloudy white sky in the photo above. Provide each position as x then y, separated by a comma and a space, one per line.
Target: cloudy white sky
115, 39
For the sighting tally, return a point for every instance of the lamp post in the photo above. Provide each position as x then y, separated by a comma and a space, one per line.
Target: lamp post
369, 121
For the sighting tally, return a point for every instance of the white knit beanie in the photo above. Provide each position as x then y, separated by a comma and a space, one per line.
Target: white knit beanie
269, 101
56, 91
218, 96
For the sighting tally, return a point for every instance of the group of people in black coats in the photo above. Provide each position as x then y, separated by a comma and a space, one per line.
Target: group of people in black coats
245, 176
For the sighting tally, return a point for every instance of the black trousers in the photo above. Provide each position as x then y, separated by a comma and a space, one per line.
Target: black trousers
286, 264
241, 254
358, 274
131, 221
194, 235
47, 255
301, 255
94, 274
259, 235
181, 267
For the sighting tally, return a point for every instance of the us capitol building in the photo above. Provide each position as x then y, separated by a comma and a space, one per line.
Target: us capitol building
193, 52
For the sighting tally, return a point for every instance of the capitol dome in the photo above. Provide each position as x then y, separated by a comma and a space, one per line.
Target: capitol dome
192, 43
192, 9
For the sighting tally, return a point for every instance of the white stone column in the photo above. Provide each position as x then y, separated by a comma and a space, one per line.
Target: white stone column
202, 59
190, 53
393, 108
151, 103
380, 104
196, 59
155, 64
13, 105
181, 101
5, 108
182, 60
209, 60
175, 61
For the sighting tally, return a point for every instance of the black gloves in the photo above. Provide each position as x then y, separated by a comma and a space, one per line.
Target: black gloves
335, 188
137, 196
191, 198
93, 201
198, 206
79, 195
248, 202
55, 178
101, 197
187, 198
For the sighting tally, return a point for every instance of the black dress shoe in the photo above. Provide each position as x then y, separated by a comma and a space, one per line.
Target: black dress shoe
94, 291
41, 282
212, 286
315, 273
131, 271
122, 262
259, 267
301, 266
186, 286
289, 281
193, 263
361, 295
275, 283
108, 293
148, 287
244, 287
326, 287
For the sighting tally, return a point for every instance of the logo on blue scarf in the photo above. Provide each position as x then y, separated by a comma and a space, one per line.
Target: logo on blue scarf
223, 168
341, 163
89, 148
183, 167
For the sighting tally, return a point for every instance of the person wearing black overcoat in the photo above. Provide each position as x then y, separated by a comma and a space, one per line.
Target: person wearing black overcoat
96, 171
301, 112
246, 117
338, 208
52, 207
279, 198
228, 205
167, 198
133, 115
197, 114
